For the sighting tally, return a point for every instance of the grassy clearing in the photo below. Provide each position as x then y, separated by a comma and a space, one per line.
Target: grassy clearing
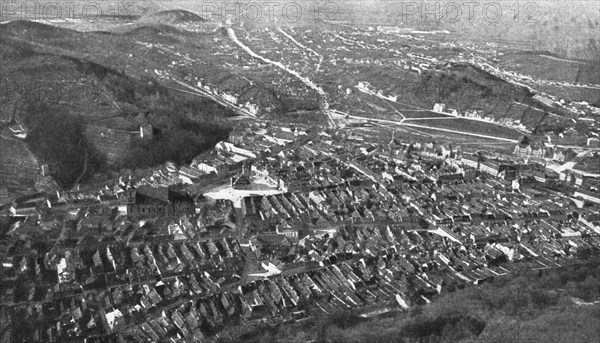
470, 126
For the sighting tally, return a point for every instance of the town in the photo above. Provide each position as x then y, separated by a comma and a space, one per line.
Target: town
302, 222
364, 169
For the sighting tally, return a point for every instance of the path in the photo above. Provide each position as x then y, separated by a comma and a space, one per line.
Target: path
302, 46
323, 104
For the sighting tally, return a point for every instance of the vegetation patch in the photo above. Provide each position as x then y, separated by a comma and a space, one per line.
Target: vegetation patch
554, 305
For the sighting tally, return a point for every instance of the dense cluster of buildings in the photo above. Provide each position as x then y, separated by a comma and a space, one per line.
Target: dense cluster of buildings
370, 224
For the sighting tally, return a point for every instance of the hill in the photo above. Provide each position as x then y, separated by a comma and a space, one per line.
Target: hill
468, 88
60, 91
552, 306
465, 88
173, 17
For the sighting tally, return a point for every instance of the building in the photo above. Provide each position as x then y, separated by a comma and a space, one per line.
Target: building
439, 107
45, 170
490, 167
24, 209
589, 196
558, 155
522, 150
146, 131
242, 179
530, 147
148, 201
287, 232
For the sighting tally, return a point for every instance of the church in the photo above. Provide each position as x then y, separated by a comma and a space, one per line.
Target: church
158, 201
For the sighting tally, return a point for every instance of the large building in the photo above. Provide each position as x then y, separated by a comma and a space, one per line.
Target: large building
530, 147
162, 201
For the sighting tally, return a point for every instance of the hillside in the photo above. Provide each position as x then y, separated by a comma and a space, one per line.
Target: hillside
173, 17
467, 88
553, 306
60, 91
114, 81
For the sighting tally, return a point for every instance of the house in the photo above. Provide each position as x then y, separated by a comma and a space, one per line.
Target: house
146, 131
558, 155
109, 200
593, 142
288, 232
522, 150
160, 201
589, 196
439, 107
45, 170
189, 172
273, 241
24, 209
530, 147
490, 167
230, 148
538, 149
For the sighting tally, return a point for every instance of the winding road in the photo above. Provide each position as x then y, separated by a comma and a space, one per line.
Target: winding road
323, 104
288, 36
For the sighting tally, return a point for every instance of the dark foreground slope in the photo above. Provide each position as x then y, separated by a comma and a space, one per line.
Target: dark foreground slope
554, 306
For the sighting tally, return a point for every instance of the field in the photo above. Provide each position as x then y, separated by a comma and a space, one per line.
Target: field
18, 166
423, 114
469, 126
